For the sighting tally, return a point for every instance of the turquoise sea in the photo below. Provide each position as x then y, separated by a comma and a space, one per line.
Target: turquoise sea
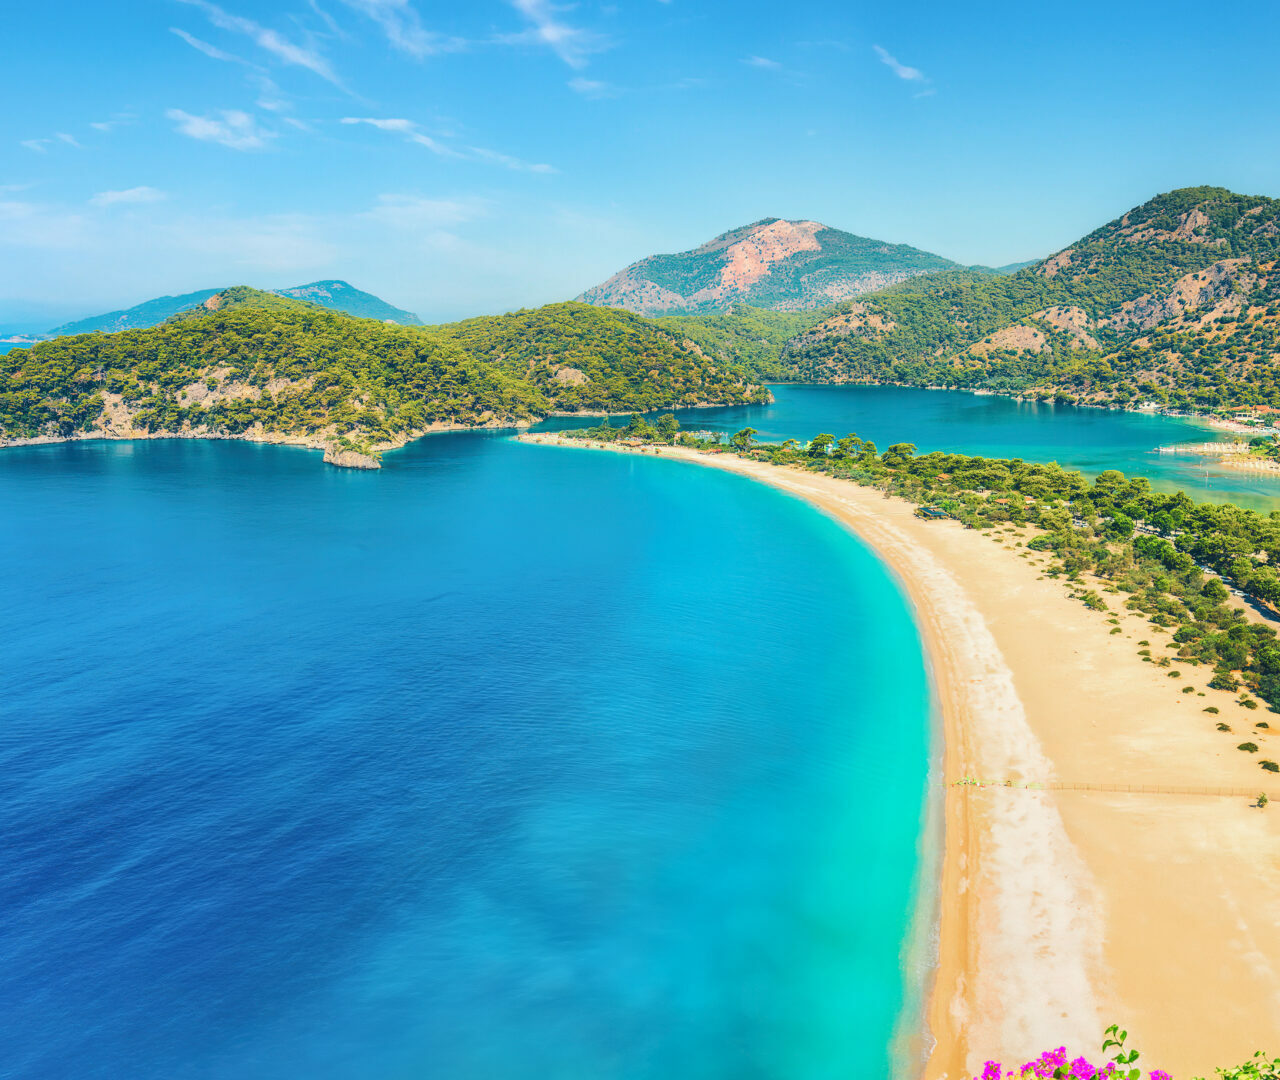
1090, 440
504, 761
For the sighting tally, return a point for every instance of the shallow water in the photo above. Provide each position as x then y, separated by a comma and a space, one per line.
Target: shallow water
504, 761
1090, 440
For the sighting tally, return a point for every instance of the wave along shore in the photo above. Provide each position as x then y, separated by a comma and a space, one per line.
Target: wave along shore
1063, 911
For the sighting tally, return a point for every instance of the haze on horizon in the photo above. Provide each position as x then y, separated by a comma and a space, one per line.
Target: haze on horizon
457, 160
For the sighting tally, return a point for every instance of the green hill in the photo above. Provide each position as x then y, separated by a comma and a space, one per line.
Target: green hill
775, 264
249, 364
1173, 303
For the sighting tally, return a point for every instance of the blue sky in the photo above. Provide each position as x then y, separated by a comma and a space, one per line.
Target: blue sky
465, 158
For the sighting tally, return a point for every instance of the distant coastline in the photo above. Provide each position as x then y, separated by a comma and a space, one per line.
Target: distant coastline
335, 453
1049, 927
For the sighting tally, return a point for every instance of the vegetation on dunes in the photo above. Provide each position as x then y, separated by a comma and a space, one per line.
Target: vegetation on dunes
254, 364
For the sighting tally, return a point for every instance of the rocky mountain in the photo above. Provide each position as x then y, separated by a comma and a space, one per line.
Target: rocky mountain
1175, 303
337, 295
252, 365
775, 264
341, 296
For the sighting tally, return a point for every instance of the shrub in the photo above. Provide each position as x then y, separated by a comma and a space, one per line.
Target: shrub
1222, 680
1093, 601
1270, 766
1212, 709
1251, 748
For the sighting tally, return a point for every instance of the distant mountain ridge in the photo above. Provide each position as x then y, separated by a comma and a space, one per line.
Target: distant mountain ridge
333, 294
341, 296
774, 263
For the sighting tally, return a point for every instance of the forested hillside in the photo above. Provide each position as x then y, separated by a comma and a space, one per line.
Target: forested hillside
584, 358
1175, 303
256, 365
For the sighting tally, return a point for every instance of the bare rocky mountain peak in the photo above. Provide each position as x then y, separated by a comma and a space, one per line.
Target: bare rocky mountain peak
777, 263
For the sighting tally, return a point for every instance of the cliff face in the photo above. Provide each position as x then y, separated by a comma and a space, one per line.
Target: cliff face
783, 265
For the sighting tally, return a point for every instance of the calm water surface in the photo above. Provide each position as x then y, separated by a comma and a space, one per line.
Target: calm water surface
1090, 440
503, 762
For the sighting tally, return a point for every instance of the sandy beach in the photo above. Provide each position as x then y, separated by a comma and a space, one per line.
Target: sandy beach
1063, 911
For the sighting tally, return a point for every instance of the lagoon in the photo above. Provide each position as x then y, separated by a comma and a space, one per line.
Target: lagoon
1087, 439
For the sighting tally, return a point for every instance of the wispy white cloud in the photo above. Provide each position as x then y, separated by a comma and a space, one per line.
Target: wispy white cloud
414, 134
403, 27
382, 124
509, 162
762, 62
119, 120
408, 129
41, 146
211, 51
269, 40
573, 44
331, 24
590, 87
230, 128
270, 96
416, 212
133, 195
901, 70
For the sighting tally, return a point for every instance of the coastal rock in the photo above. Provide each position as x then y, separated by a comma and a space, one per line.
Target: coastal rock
350, 459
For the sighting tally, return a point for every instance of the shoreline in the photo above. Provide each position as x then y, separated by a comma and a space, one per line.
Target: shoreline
334, 452
1059, 912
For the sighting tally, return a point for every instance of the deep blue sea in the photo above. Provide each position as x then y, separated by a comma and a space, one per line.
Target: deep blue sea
502, 762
